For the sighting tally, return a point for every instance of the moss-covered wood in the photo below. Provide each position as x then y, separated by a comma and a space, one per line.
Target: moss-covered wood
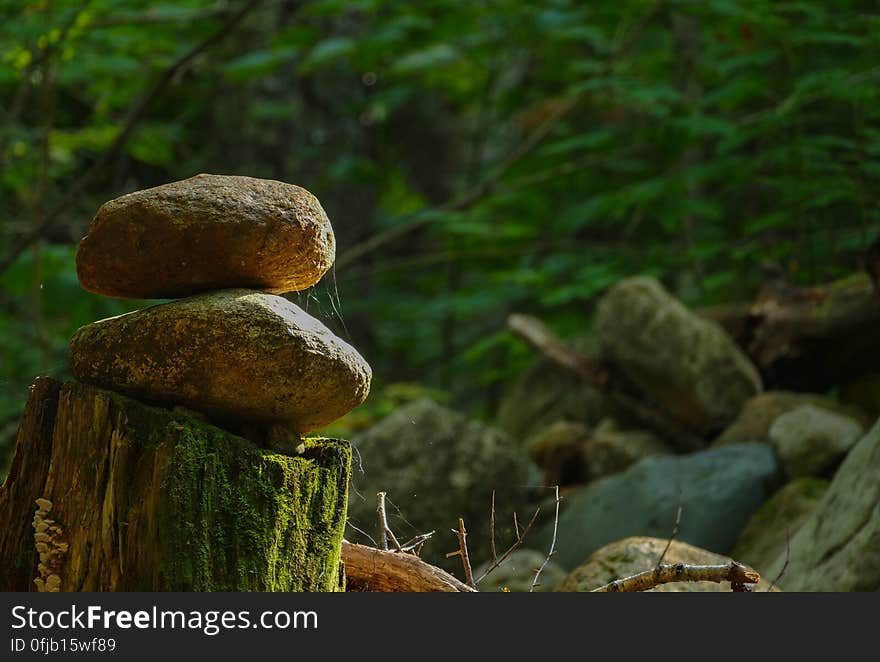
143, 498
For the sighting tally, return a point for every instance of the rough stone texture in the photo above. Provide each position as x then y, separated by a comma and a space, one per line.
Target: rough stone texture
838, 547
610, 450
757, 415
686, 363
142, 498
631, 556
206, 233
769, 530
719, 490
436, 466
544, 394
811, 441
517, 571
235, 355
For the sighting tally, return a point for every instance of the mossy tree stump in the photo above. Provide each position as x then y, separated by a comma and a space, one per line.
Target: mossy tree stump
144, 499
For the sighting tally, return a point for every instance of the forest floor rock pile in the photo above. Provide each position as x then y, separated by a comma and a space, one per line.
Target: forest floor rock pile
232, 348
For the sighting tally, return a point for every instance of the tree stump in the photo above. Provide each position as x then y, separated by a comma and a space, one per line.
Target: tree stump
140, 498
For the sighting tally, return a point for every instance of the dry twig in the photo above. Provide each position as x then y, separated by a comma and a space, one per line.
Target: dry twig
552, 551
520, 537
384, 529
462, 551
737, 574
674, 528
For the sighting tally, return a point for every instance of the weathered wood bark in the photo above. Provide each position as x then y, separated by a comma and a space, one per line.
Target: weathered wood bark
808, 338
142, 498
368, 569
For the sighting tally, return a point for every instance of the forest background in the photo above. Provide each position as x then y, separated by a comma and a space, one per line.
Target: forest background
476, 159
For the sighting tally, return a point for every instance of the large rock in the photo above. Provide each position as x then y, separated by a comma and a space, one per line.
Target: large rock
631, 556
811, 441
770, 529
757, 415
545, 393
686, 363
205, 233
517, 571
235, 355
718, 489
838, 547
436, 466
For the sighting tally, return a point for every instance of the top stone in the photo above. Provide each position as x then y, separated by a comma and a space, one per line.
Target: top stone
208, 232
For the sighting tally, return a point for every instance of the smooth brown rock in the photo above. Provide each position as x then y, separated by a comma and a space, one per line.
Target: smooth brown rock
235, 355
205, 233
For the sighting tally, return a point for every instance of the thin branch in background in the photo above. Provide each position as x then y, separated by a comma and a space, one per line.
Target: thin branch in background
462, 551
733, 572
674, 528
520, 538
552, 551
383, 523
134, 116
415, 544
775, 582
467, 199
361, 531
492, 529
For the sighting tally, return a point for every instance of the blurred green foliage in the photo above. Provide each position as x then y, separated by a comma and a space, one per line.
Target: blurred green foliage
540, 151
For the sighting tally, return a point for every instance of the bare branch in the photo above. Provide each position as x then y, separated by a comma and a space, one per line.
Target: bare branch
552, 551
520, 538
462, 551
733, 572
674, 528
775, 582
492, 529
384, 529
466, 200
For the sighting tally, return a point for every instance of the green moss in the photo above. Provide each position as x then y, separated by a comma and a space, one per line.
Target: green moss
237, 517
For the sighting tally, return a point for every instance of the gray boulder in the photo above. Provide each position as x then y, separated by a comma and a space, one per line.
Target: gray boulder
688, 364
757, 415
811, 441
719, 490
838, 547
436, 466
770, 529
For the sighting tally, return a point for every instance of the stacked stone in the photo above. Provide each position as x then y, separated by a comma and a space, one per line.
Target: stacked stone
229, 347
